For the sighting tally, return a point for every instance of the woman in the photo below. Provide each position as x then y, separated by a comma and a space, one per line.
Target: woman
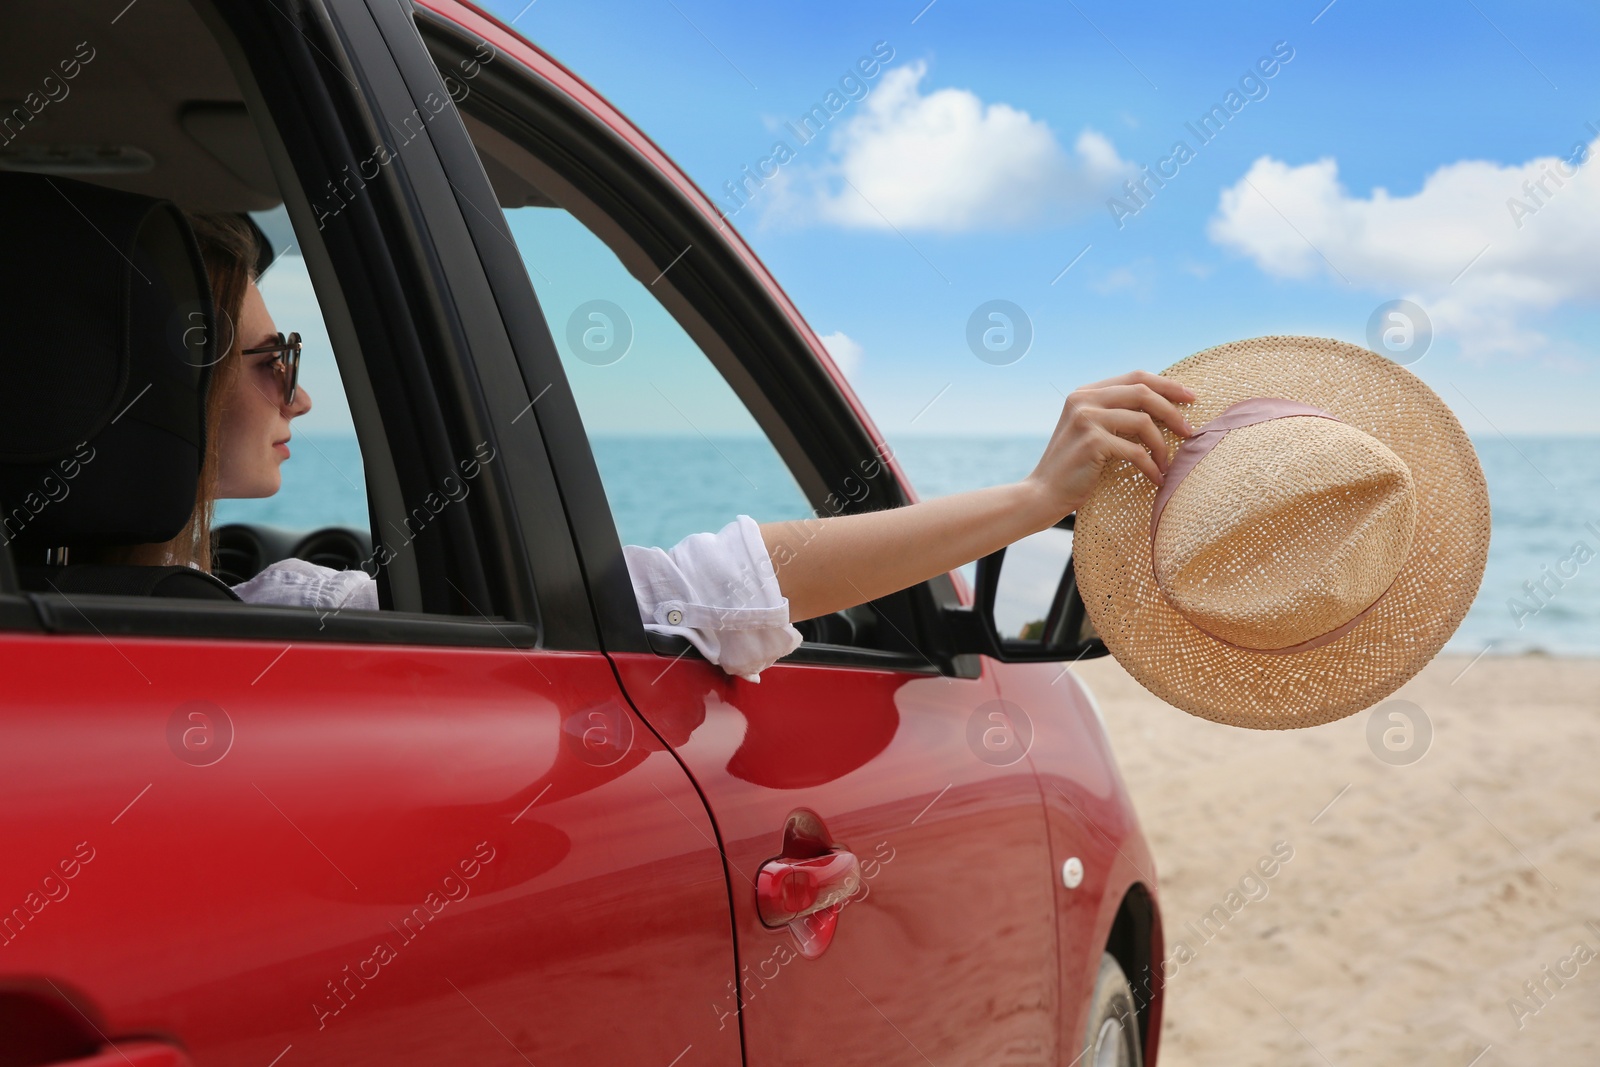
735, 593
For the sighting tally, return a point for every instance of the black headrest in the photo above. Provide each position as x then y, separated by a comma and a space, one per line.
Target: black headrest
106, 345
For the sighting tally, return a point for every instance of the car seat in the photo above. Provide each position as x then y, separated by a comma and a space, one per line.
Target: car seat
107, 340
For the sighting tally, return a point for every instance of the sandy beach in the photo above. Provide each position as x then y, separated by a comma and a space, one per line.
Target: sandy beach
1422, 898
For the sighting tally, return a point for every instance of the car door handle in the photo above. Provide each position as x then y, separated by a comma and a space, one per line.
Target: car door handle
788, 890
134, 1053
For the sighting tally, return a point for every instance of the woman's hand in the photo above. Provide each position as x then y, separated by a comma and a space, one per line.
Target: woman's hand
1109, 420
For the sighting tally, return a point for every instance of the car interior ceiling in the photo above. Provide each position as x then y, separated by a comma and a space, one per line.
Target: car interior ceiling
156, 110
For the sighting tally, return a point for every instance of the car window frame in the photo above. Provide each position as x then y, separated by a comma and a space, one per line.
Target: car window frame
765, 360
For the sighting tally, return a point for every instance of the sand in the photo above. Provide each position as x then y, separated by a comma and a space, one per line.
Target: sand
1420, 898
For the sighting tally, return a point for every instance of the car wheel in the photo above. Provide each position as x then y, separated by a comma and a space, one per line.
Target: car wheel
1111, 1038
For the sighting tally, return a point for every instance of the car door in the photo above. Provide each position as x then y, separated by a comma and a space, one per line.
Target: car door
345, 853
250, 835
866, 752
944, 948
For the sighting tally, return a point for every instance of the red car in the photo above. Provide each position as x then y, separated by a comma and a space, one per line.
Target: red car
499, 821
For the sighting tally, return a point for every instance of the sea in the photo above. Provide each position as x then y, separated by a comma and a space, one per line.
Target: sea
1540, 590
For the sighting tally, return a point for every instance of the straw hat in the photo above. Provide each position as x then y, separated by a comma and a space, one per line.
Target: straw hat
1314, 544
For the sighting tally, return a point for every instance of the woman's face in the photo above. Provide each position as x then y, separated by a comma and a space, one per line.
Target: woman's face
254, 435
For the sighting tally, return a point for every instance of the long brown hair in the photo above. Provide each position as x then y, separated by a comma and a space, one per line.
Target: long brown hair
228, 247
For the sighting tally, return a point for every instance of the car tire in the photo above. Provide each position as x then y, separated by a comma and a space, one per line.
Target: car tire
1111, 1036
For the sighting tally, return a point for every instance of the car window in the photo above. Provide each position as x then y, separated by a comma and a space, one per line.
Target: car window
690, 382
678, 448
678, 451
359, 492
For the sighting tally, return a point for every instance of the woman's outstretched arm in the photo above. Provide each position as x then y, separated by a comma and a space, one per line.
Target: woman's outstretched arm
825, 565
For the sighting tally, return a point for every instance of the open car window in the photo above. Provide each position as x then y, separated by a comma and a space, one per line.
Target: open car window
678, 446
384, 476
677, 450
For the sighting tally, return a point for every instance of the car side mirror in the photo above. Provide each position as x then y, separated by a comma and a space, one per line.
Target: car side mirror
1027, 608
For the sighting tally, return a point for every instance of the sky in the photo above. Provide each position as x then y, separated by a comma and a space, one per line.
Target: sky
956, 219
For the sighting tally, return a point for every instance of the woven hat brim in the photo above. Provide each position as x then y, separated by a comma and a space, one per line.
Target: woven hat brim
1436, 585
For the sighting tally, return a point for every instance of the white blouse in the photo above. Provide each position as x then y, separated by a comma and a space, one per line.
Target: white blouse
718, 590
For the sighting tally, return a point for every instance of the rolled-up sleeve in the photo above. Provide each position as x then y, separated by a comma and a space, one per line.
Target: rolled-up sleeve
721, 592
302, 584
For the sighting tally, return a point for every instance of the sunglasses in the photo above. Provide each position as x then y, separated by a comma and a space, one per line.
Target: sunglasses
287, 349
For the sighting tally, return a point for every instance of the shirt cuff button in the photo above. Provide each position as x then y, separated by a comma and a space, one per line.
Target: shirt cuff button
674, 616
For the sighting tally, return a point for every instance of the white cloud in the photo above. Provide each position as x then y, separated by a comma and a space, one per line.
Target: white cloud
946, 161
846, 352
1540, 247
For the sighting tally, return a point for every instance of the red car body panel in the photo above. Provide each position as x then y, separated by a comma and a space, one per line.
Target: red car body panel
1091, 817
239, 906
